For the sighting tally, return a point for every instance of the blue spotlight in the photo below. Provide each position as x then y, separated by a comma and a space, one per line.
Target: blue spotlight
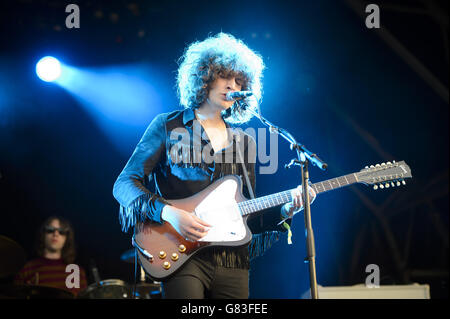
48, 69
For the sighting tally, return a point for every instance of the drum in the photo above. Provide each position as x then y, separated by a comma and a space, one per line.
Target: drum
12, 256
148, 291
107, 289
33, 292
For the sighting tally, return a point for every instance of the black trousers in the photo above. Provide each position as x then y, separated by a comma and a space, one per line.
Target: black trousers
199, 279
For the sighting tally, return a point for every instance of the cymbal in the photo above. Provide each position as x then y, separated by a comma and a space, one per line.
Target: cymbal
33, 292
12, 255
128, 256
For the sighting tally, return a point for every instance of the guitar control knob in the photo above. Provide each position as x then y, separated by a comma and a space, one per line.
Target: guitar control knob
162, 254
182, 248
381, 186
166, 265
375, 187
174, 257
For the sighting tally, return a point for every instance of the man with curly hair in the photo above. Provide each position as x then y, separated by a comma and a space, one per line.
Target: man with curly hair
184, 151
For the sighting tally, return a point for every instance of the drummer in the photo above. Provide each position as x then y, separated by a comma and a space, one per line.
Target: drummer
55, 248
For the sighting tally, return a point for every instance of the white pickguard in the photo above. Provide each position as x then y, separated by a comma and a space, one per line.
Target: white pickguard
221, 210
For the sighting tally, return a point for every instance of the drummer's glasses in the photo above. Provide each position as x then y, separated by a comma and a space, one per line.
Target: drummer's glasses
51, 230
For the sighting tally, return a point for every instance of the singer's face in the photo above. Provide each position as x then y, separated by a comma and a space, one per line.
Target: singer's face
54, 241
220, 87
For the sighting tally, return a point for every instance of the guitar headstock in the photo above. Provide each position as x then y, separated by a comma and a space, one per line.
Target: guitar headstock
385, 175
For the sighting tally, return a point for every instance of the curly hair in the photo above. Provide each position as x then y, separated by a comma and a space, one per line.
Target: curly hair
220, 56
68, 252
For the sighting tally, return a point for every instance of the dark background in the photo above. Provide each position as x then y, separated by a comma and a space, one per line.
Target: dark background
333, 83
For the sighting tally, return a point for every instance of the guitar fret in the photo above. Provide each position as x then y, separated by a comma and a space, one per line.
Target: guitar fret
274, 200
288, 196
260, 204
279, 198
243, 208
266, 202
248, 208
317, 188
333, 183
254, 206
263, 203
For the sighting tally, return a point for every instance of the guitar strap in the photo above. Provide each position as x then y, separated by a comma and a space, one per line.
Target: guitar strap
244, 169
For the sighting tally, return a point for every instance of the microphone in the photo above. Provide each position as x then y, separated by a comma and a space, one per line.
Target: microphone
238, 95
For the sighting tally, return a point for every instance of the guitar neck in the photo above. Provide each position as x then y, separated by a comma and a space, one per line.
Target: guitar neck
269, 201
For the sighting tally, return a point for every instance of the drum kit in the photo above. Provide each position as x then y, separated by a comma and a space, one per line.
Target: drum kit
13, 258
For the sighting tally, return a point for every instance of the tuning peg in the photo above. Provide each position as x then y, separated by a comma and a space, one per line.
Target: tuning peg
375, 187
392, 184
398, 183
378, 165
386, 185
388, 163
371, 166
381, 186
393, 162
403, 182
366, 167
383, 164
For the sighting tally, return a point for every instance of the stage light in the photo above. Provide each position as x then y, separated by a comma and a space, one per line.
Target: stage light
48, 69
121, 99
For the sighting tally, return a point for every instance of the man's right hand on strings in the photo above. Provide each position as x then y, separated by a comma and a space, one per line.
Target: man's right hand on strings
186, 224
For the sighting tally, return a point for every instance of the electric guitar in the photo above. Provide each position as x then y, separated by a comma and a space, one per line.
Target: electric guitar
162, 250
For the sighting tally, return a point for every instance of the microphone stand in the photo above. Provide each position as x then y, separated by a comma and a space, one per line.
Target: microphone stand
304, 157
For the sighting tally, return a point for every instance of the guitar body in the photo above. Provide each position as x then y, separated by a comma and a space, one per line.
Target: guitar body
169, 250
